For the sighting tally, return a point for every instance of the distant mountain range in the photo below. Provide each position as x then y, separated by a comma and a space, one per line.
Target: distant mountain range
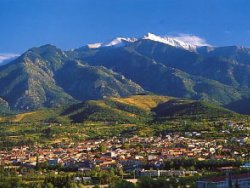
49, 77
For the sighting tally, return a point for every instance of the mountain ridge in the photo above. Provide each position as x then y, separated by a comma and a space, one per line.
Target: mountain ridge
169, 40
47, 76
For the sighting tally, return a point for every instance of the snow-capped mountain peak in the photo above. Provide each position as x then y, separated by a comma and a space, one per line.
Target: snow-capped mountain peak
151, 36
117, 42
120, 41
172, 41
188, 42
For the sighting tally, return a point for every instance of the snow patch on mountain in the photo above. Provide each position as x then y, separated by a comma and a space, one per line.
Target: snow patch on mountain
187, 42
95, 45
192, 40
117, 42
120, 41
6, 58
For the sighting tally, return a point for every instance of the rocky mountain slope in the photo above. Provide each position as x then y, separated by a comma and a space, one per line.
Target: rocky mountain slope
47, 77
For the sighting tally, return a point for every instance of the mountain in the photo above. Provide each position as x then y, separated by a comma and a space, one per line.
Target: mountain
171, 41
165, 66
6, 58
49, 77
84, 82
123, 41
139, 109
165, 70
117, 42
46, 77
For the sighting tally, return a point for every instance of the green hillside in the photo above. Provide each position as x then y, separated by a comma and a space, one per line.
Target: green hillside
134, 109
143, 115
241, 106
142, 109
177, 108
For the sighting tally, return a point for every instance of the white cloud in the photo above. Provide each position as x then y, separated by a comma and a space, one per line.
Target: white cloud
5, 57
191, 39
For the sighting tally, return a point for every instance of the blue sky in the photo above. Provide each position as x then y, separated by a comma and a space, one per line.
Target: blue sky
73, 23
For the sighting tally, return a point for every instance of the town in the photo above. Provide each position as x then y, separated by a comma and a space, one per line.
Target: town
169, 155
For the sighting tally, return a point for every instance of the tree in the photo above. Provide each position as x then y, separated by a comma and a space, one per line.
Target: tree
38, 185
72, 185
146, 182
125, 146
122, 184
48, 132
49, 185
102, 148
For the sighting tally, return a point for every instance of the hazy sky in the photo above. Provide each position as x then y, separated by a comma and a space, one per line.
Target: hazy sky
73, 23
